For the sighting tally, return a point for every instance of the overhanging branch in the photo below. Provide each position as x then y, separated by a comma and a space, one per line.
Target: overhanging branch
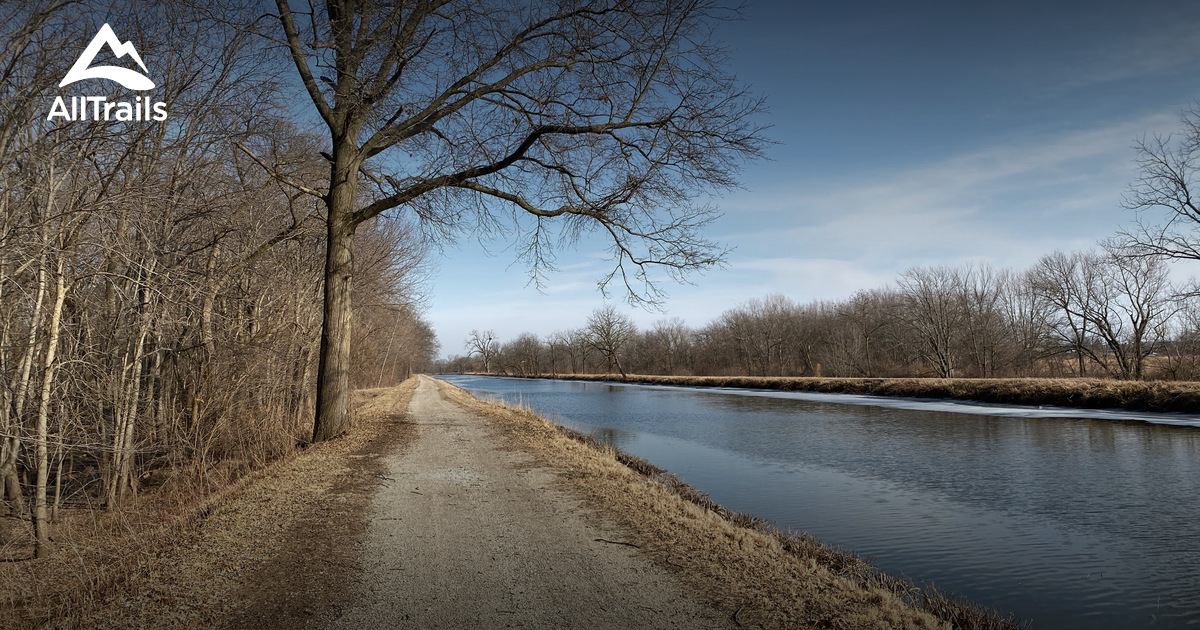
280, 176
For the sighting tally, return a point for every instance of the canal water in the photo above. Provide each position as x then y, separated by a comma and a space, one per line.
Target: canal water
1068, 518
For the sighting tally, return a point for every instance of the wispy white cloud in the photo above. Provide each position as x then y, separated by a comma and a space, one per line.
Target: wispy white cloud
1011, 202
1138, 53
807, 278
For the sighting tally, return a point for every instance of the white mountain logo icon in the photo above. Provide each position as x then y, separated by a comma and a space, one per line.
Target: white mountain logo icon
124, 76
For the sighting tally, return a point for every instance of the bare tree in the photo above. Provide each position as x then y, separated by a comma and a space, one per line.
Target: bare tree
667, 344
1164, 195
523, 355
607, 115
558, 350
761, 331
865, 316
1183, 351
574, 345
1140, 301
609, 331
935, 311
26, 73
1121, 301
1026, 317
1070, 283
483, 345
983, 331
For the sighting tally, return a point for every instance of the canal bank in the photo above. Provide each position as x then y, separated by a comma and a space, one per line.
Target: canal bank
759, 575
1070, 521
1082, 393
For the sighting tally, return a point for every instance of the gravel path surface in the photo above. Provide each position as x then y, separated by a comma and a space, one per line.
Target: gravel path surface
466, 534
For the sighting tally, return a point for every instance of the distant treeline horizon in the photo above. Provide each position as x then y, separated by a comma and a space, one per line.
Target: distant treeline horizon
1107, 312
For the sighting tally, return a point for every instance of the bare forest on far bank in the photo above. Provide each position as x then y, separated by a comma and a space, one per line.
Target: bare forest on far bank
160, 292
1108, 313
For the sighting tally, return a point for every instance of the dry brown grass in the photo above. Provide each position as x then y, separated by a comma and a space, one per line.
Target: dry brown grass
1086, 393
177, 557
759, 575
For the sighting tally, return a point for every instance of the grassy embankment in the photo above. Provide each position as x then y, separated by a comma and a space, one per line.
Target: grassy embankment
1085, 393
195, 553
758, 574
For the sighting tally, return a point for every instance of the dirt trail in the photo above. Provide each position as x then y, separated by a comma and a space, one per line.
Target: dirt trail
466, 534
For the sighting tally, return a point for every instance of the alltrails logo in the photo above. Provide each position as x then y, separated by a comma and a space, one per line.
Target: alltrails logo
141, 109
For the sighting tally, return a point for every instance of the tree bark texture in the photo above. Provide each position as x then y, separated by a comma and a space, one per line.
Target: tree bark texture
333, 385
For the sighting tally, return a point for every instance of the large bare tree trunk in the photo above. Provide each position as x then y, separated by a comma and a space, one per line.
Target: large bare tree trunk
333, 380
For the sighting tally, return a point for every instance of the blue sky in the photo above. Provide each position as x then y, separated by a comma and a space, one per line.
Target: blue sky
909, 134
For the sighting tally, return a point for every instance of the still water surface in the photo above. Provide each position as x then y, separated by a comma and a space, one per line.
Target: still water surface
1069, 521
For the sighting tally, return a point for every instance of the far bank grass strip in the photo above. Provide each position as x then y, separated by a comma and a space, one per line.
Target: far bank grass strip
756, 573
1082, 393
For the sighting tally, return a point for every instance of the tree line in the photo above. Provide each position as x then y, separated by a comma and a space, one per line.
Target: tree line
160, 291
1108, 312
